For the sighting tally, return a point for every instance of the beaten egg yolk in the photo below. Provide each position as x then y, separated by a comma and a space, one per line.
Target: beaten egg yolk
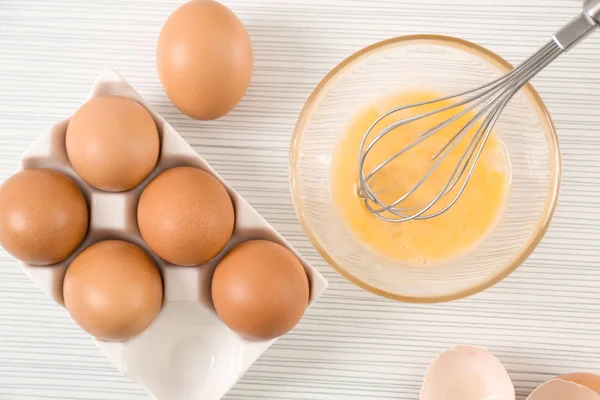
434, 240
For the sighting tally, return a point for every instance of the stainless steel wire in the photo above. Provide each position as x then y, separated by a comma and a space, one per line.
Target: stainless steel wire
486, 103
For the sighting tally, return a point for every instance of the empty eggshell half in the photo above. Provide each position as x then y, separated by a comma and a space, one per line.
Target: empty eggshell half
558, 389
591, 381
467, 373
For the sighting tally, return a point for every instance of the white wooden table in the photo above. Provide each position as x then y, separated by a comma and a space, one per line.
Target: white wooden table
542, 321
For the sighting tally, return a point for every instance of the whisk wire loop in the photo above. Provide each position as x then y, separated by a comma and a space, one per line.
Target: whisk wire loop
487, 102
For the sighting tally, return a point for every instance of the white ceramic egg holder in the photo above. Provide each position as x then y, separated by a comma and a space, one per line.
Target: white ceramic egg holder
187, 353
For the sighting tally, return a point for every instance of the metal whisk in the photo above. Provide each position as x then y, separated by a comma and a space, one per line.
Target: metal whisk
487, 102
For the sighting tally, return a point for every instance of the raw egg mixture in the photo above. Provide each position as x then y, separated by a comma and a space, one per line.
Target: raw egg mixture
423, 241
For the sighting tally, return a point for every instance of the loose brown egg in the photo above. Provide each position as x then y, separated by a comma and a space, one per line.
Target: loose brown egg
186, 216
204, 59
260, 290
43, 216
113, 290
112, 143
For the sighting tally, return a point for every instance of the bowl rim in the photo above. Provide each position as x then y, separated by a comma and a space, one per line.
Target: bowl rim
534, 98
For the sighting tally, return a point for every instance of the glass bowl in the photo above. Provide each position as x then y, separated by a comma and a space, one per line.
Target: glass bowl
448, 65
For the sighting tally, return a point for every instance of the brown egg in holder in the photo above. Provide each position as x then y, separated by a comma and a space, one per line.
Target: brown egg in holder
187, 329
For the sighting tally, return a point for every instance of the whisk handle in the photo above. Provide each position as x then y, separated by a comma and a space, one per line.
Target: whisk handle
592, 8
580, 27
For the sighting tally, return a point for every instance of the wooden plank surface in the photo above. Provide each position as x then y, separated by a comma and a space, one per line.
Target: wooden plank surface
542, 321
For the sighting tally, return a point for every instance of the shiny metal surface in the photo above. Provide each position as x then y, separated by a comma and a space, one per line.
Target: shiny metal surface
487, 102
592, 8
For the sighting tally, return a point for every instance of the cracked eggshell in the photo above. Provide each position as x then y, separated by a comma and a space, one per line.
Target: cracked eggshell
558, 389
467, 373
591, 381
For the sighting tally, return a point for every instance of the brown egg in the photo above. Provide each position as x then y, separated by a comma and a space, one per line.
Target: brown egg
204, 59
591, 381
186, 216
112, 143
260, 290
113, 290
43, 216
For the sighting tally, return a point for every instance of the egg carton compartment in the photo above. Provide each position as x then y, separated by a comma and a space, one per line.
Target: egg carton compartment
187, 352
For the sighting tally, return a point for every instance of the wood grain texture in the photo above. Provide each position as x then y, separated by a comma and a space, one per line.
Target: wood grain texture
542, 321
